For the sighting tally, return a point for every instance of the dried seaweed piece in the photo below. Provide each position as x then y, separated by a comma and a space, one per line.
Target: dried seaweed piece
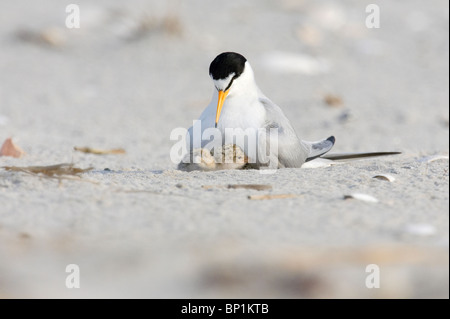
49, 171
333, 100
50, 37
257, 187
97, 151
280, 196
213, 186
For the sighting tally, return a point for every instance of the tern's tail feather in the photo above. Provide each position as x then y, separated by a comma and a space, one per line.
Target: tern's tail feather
350, 156
317, 149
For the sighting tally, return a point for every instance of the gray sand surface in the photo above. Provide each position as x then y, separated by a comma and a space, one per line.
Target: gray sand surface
136, 70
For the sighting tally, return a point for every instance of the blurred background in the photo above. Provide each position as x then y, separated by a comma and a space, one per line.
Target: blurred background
136, 69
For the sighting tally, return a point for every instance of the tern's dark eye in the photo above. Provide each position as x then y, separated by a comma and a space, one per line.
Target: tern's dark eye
231, 82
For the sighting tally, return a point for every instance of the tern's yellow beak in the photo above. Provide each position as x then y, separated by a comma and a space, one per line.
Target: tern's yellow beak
222, 97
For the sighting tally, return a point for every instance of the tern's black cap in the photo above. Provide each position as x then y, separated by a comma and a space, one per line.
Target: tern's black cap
225, 64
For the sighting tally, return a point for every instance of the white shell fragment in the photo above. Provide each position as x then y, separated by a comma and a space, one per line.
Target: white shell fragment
362, 197
420, 229
385, 177
429, 159
319, 163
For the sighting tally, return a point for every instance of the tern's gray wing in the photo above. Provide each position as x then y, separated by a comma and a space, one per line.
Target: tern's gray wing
317, 149
291, 152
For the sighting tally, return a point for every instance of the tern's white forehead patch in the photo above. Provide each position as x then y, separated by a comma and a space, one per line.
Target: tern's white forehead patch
222, 84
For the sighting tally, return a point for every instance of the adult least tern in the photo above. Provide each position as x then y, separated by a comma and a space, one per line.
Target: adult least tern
239, 105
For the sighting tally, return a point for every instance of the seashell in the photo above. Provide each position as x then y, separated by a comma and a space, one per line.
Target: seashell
362, 197
319, 163
385, 177
10, 149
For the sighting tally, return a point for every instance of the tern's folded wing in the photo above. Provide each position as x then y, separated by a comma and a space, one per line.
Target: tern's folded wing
291, 152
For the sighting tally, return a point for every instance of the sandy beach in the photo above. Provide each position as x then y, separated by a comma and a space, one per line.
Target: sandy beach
139, 228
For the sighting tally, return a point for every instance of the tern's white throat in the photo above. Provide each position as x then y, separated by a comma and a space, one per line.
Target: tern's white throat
237, 101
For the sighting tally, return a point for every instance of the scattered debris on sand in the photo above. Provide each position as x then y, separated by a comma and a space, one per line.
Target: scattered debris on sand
50, 171
97, 151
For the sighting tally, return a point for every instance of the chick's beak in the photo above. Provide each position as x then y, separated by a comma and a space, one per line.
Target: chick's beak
222, 97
